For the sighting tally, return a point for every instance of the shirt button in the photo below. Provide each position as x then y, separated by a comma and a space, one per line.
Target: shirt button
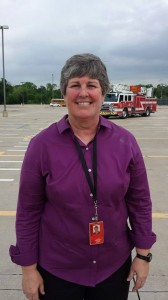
91, 195
94, 261
89, 170
87, 148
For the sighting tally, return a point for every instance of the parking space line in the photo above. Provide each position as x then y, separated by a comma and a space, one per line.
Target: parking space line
20, 146
6, 180
151, 138
156, 156
10, 161
2, 155
160, 215
8, 213
13, 213
9, 169
16, 150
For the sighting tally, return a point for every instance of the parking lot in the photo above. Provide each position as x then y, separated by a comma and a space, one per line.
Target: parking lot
16, 130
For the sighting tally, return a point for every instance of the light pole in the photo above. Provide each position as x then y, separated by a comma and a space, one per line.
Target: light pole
52, 86
5, 113
22, 82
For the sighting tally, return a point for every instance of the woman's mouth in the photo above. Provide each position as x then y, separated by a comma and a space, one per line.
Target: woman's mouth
84, 103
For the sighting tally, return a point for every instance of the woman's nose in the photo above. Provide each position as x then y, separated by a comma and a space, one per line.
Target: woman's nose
83, 92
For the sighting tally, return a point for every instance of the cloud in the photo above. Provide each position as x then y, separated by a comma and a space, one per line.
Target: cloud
130, 37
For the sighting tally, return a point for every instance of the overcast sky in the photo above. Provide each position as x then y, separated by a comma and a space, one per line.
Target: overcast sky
130, 36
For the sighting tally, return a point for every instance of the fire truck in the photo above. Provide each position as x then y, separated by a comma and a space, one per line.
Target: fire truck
125, 101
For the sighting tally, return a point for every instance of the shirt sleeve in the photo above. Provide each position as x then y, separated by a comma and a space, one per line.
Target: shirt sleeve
31, 201
139, 202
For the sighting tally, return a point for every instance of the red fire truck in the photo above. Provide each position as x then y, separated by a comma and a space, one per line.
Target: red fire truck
135, 100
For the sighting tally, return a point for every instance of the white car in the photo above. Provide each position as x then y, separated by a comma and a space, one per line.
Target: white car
55, 105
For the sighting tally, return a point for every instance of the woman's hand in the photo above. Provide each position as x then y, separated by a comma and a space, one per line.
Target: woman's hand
32, 283
139, 270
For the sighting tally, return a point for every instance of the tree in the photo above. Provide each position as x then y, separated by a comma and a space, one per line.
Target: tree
8, 88
29, 90
16, 96
162, 91
41, 94
29, 93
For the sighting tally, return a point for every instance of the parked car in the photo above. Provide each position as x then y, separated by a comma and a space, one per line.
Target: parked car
55, 104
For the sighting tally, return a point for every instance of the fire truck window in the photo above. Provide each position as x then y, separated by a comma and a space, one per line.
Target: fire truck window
121, 98
125, 97
129, 98
110, 97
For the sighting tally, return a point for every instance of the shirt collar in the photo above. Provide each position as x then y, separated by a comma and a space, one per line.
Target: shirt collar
104, 122
63, 124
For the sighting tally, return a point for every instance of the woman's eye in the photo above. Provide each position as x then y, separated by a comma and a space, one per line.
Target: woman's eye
92, 86
74, 85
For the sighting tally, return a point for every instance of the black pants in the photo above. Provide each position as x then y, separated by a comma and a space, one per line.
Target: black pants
114, 287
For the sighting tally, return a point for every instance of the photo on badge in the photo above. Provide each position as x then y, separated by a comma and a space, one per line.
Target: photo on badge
96, 233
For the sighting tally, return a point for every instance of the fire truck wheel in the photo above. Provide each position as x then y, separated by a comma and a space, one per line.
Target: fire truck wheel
125, 114
147, 112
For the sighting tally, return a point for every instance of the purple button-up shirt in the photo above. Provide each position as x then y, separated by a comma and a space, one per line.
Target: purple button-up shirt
55, 205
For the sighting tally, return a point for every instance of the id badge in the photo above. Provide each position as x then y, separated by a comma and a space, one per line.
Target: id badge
96, 233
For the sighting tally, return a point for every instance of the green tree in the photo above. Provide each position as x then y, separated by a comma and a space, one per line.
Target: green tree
29, 92
16, 96
41, 95
162, 91
8, 89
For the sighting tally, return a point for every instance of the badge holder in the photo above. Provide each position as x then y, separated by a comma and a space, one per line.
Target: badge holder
96, 233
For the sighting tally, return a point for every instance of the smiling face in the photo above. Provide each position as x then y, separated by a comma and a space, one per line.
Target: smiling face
83, 98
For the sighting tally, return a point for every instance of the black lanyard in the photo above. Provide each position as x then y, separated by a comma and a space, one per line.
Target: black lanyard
92, 185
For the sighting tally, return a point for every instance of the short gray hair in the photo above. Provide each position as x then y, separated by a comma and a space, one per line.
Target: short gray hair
86, 64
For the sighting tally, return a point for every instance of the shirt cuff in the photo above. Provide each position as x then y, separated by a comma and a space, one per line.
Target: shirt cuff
143, 242
26, 259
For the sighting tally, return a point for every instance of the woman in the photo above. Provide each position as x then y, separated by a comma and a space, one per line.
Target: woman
81, 172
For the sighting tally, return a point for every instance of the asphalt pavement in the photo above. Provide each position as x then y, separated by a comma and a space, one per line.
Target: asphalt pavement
16, 130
